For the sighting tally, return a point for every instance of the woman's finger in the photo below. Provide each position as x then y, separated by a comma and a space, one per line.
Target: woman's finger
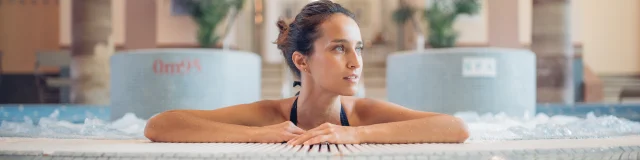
296, 130
307, 136
293, 139
289, 136
320, 139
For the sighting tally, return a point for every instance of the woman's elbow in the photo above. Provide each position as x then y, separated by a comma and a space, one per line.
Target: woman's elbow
463, 135
463, 131
159, 126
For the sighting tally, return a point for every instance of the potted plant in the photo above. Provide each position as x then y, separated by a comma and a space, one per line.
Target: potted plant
208, 14
441, 16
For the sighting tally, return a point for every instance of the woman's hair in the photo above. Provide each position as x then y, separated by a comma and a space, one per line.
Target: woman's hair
303, 31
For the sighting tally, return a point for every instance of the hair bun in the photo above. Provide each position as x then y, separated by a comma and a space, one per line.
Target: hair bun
284, 31
282, 25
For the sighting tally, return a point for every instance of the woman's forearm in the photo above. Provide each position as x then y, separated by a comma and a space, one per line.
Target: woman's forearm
180, 127
436, 129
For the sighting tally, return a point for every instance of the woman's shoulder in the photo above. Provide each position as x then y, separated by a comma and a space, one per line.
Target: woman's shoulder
362, 106
358, 102
281, 106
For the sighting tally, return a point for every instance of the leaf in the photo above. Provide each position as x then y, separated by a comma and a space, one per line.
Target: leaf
469, 7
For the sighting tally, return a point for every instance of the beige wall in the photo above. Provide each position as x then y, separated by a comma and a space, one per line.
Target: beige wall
611, 43
608, 30
118, 12
611, 36
26, 29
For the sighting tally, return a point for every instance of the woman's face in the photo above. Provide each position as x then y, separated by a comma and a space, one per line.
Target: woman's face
336, 62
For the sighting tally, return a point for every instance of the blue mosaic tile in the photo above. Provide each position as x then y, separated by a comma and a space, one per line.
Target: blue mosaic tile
77, 113
627, 111
71, 113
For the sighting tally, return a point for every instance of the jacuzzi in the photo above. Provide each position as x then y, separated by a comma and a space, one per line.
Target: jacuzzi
86, 132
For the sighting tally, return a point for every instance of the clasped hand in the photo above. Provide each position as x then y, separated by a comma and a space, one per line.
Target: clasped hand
293, 135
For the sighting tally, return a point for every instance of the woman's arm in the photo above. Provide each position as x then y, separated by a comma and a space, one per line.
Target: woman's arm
178, 126
384, 122
240, 123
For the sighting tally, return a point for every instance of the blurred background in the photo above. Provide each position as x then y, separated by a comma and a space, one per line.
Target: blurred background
587, 50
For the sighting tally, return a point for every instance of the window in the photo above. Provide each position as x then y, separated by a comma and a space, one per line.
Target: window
179, 8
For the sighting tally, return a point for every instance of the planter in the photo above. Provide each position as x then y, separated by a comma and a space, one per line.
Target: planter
147, 82
483, 80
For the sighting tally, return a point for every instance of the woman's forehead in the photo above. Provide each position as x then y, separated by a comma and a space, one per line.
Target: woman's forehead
340, 26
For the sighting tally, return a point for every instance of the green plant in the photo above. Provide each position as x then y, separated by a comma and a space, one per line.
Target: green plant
208, 14
441, 17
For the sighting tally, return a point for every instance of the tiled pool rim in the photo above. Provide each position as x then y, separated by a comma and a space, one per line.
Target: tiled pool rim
77, 113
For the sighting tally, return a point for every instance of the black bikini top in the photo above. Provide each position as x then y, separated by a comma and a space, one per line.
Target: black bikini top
294, 111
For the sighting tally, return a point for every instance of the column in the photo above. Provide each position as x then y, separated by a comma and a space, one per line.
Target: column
503, 23
551, 41
92, 45
140, 24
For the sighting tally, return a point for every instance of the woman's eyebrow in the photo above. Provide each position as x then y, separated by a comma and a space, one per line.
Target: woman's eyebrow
340, 41
345, 41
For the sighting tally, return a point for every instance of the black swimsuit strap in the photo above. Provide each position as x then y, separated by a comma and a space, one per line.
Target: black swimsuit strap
297, 83
294, 114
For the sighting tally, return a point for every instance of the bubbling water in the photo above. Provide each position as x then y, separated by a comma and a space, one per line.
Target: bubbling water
486, 127
127, 127
503, 127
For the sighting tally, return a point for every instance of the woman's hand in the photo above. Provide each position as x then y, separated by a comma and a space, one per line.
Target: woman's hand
328, 132
277, 133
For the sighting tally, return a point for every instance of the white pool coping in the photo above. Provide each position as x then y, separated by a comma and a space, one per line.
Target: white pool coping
52, 146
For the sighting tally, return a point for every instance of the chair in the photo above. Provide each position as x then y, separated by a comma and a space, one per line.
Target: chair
629, 92
60, 59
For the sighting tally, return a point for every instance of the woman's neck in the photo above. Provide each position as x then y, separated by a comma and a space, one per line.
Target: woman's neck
317, 106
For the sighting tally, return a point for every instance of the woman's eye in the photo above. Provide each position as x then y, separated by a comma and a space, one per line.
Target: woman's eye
340, 49
359, 49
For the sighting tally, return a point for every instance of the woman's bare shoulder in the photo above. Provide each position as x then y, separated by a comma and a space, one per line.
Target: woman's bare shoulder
363, 103
282, 106
373, 111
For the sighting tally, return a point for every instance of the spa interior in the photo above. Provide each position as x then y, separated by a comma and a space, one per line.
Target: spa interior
518, 72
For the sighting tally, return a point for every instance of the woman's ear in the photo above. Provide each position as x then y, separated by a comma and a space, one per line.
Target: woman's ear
300, 61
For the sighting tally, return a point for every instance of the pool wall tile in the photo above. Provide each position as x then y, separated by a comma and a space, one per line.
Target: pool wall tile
78, 113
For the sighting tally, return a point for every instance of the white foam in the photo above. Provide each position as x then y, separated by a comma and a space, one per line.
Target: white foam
487, 127
502, 127
127, 127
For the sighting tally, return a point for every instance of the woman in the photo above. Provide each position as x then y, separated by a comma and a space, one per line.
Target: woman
323, 47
